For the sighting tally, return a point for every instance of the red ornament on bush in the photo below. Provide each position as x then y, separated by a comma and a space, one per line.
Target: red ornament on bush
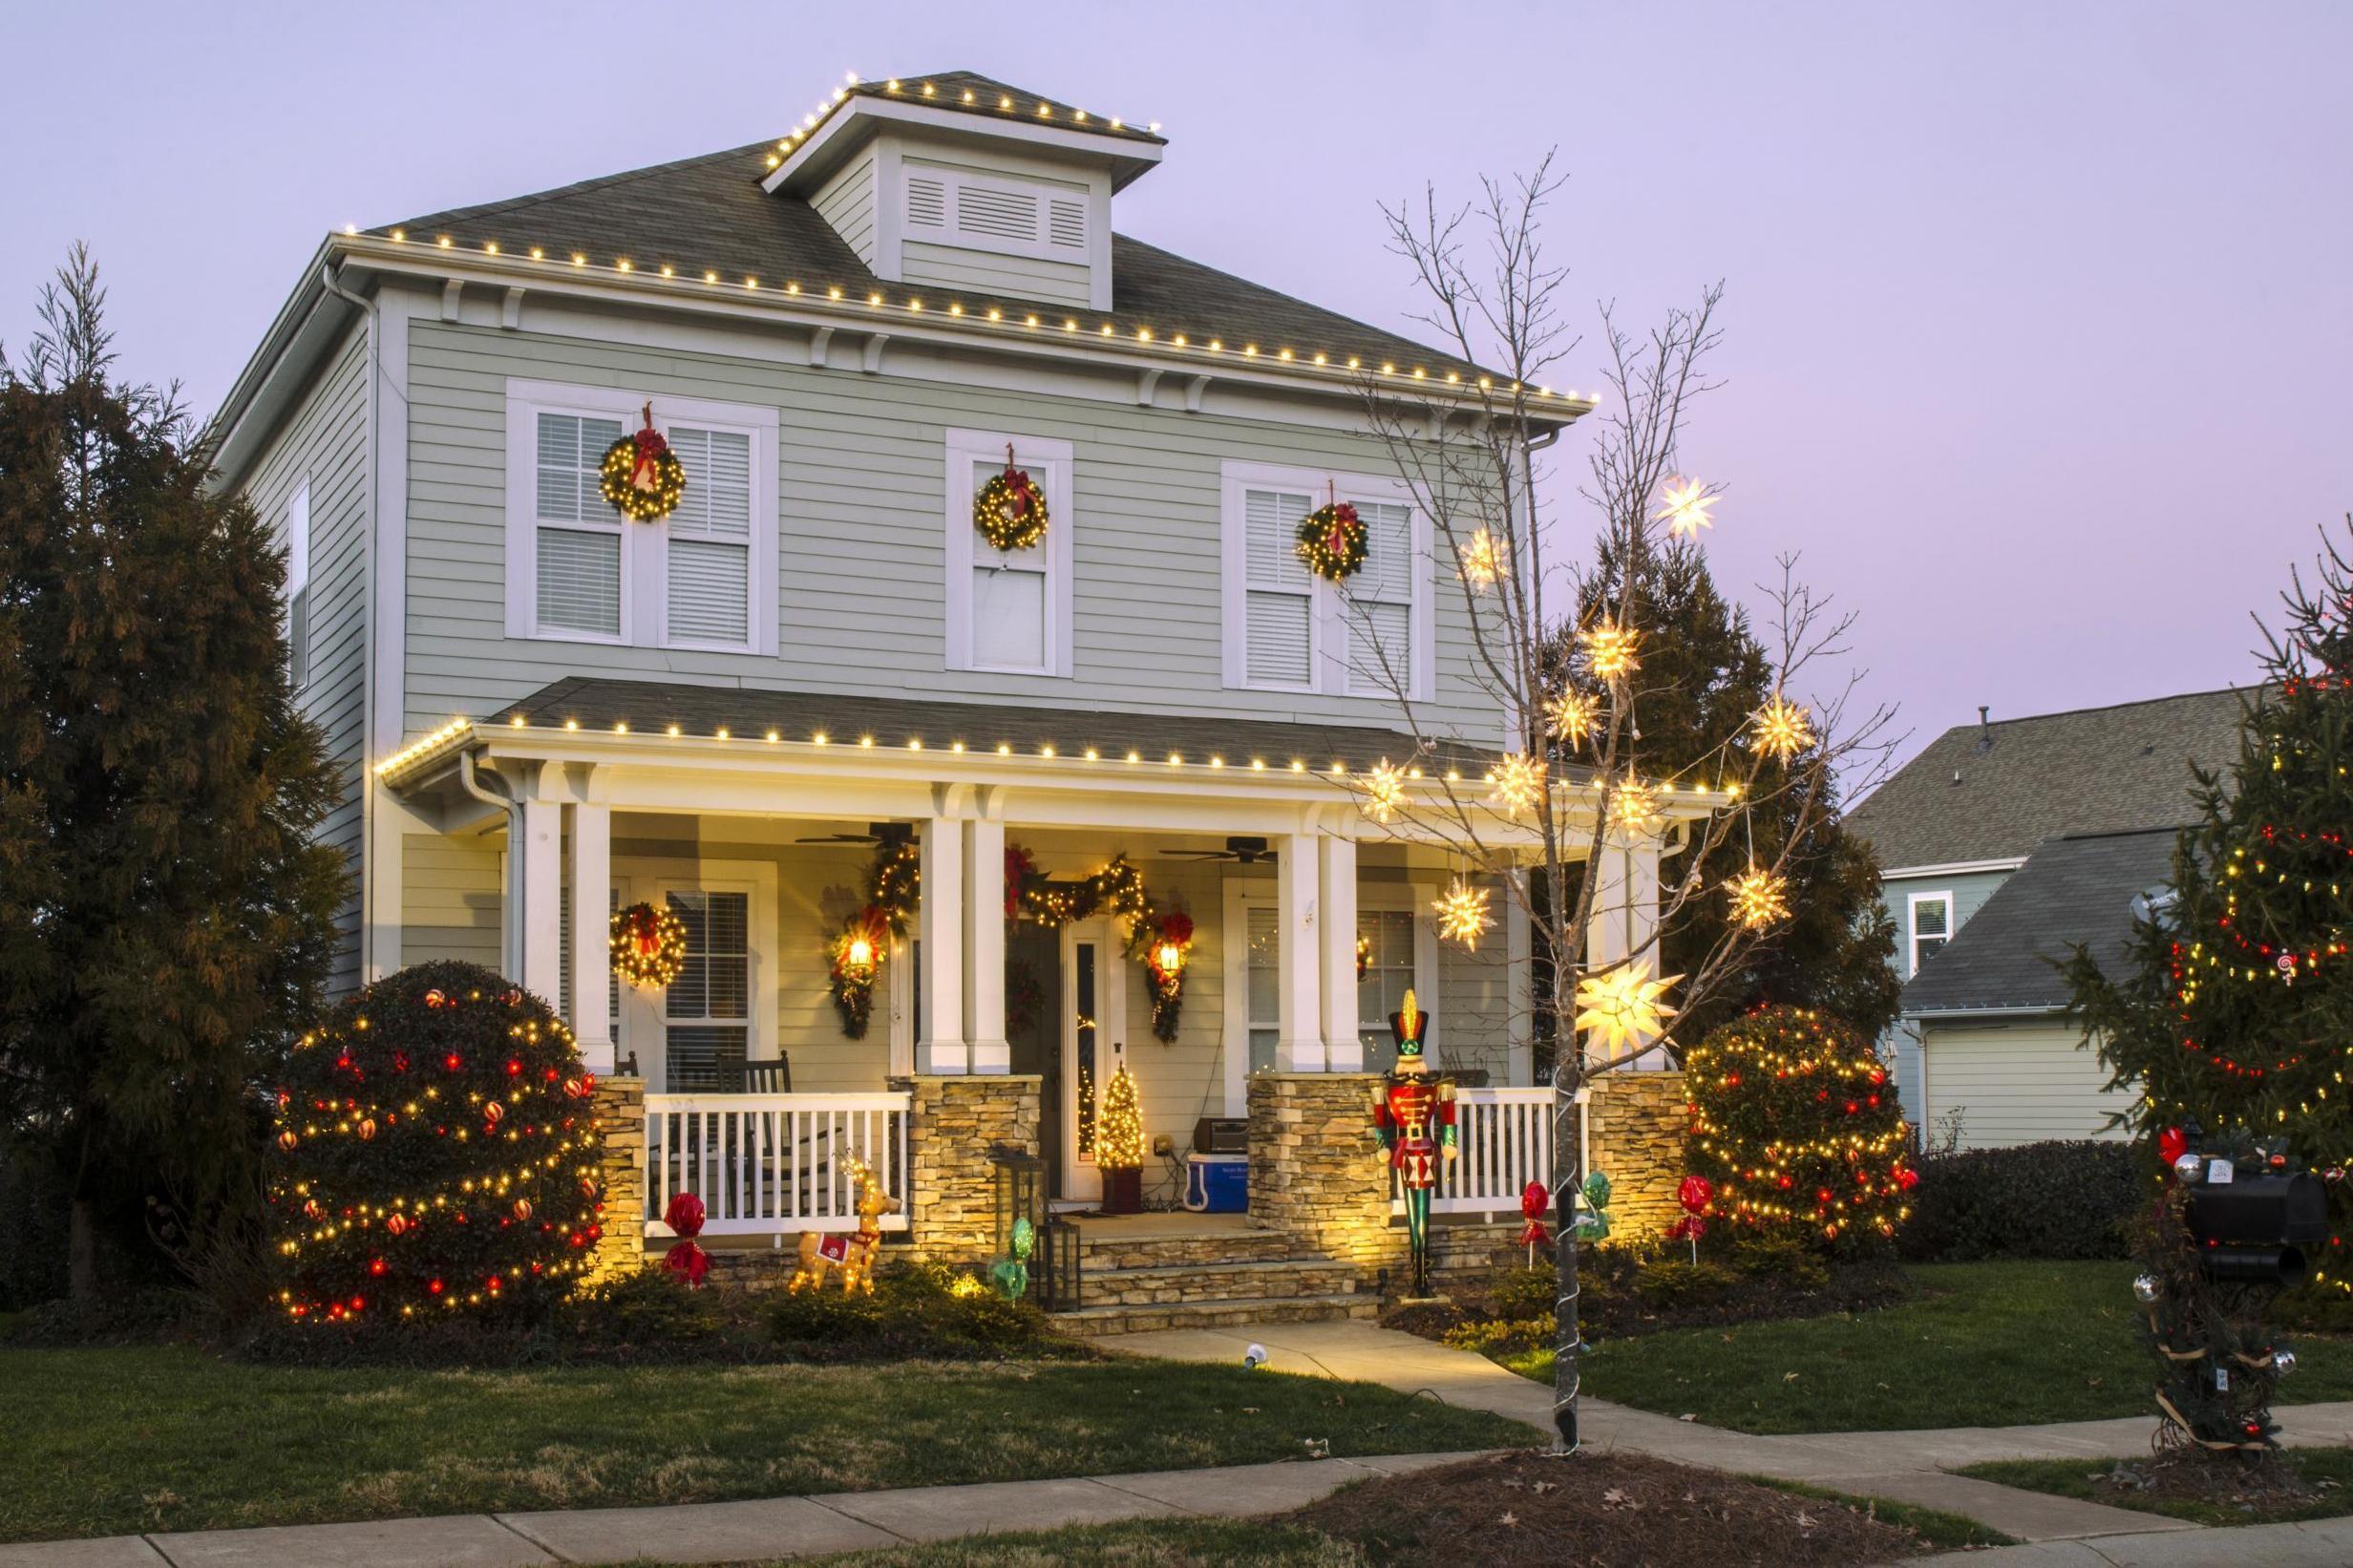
685, 1217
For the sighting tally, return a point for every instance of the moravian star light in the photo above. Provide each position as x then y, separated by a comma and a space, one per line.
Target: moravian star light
1573, 715
1385, 791
1684, 506
1623, 1006
1519, 782
1783, 728
1634, 805
1462, 914
1759, 899
1482, 559
1610, 649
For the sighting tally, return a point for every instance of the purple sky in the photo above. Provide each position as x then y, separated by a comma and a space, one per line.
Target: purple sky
2038, 320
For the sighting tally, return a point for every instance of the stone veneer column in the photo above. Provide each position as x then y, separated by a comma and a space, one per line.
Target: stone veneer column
953, 1124
1633, 1134
1313, 1170
620, 1105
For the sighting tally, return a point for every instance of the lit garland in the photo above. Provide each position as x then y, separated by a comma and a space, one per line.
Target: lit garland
1011, 509
1759, 897
1331, 542
1684, 507
1462, 914
1483, 561
1783, 729
649, 945
1794, 1121
854, 957
1611, 650
1623, 1006
436, 1149
641, 476
1519, 782
1161, 940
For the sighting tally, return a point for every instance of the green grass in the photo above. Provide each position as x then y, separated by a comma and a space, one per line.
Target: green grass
1142, 1543
1990, 1345
106, 1441
2073, 1478
1946, 1531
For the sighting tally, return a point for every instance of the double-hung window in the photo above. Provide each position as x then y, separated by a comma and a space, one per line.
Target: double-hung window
1285, 628
707, 1010
705, 576
298, 585
1389, 966
1932, 926
1007, 610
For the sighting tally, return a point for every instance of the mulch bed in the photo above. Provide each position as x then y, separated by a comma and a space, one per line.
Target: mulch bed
1609, 1307
2259, 1490
1597, 1511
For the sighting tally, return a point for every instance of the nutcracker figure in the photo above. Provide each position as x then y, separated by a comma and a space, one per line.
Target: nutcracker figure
1414, 1116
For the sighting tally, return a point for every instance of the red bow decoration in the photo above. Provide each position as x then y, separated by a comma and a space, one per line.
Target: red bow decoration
1018, 482
1533, 1199
644, 473
1337, 543
685, 1217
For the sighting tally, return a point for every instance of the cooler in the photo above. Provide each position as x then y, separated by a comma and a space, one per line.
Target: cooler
1218, 1183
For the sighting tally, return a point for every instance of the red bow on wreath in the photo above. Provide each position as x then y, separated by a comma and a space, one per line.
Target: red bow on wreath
1533, 1199
644, 472
685, 1217
1024, 490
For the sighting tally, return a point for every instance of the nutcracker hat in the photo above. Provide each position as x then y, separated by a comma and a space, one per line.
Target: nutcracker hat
1407, 1026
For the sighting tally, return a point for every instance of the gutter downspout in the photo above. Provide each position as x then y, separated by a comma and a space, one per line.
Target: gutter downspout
470, 779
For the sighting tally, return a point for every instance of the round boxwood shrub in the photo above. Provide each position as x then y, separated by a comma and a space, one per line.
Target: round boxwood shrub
437, 1154
1795, 1121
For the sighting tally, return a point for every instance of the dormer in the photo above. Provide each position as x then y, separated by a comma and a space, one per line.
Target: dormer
961, 183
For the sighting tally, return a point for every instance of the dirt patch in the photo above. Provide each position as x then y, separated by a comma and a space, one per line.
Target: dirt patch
2259, 1491
1597, 1511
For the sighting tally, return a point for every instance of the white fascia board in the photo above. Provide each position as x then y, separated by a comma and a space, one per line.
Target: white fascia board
860, 116
306, 326
1957, 1015
1950, 868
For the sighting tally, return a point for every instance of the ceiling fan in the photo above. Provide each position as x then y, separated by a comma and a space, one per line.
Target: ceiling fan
1248, 849
877, 833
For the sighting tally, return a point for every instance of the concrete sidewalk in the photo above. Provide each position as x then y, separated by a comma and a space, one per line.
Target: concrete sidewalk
1905, 1466
2317, 1543
742, 1532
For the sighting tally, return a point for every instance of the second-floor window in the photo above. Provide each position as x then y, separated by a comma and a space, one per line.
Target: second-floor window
298, 586
1287, 630
705, 576
1932, 926
1007, 610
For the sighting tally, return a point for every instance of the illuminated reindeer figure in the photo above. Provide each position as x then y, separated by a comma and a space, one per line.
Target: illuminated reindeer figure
853, 1254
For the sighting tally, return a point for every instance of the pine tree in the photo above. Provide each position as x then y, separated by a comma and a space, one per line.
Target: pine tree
1703, 678
167, 922
2236, 990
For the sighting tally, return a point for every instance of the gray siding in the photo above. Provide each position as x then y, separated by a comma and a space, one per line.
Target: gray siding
863, 544
324, 439
922, 263
846, 203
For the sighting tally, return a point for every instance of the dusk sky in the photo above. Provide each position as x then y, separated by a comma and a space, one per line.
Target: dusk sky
2037, 317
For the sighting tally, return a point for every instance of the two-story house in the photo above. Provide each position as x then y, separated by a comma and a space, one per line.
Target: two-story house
2004, 844
551, 710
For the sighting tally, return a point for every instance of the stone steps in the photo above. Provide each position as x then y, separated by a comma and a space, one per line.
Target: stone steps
1104, 1249
1190, 1283
1090, 1321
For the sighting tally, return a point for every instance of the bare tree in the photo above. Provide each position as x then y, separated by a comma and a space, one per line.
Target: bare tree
1558, 649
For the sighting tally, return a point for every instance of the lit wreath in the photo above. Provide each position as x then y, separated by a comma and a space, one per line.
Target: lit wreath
649, 946
1011, 509
1331, 542
641, 476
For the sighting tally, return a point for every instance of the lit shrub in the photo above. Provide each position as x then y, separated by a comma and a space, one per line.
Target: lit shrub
436, 1155
1795, 1121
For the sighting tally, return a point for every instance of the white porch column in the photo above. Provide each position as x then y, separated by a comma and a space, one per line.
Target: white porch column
1344, 1048
1298, 1041
939, 929
1519, 986
534, 878
1626, 913
984, 945
592, 953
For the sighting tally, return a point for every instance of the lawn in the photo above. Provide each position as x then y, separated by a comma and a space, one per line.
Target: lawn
1985, 1344
108, 1441
2327, 1470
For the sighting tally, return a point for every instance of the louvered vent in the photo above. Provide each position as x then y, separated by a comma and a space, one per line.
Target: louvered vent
926, 201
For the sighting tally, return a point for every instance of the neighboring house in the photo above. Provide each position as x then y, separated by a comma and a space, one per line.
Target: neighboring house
1953, 828
545, 707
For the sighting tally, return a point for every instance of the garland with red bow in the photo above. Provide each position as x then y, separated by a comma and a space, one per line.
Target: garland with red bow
641, 476
1331, 541
1011, 509
649, 945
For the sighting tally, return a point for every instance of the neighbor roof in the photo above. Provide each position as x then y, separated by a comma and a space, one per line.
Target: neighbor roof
2074, 889
1993, 793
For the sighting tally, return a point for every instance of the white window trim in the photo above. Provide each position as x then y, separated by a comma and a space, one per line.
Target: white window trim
1047, 461
1911, 925
1328, 632
645, 547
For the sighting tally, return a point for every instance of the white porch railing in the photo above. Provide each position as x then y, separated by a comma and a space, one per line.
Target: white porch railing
765, 1163
1504, 1140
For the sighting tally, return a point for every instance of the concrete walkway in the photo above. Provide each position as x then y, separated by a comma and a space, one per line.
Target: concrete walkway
2319, 1543
1905, 1466
744, 1531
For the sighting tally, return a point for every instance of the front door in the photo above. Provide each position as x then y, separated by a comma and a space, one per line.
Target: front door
1033, 1029
1094, 1044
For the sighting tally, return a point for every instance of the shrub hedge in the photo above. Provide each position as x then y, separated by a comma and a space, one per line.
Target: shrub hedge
2062, 1198
916, 1310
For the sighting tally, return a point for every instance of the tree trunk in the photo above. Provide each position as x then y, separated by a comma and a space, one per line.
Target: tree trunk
1568, 1179
81, 1254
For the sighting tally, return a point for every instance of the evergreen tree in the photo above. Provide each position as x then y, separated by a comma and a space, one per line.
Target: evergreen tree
166, 921
1704, 676
2229, 1012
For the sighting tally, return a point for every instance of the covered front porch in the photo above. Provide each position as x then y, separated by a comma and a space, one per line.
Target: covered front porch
759, 821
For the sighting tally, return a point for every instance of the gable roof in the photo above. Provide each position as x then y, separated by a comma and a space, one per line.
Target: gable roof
2075, 889
998, 101
1994, 793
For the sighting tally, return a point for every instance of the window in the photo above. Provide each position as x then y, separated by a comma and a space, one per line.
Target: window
1007, 610
563, 961
1932, 926
707, 1010
704, 577
298, 586
1389, 971
1016, 217
1287, 630
1263, 1009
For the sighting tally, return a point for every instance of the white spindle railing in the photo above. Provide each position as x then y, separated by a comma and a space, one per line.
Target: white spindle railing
764, 1164
1503, 1141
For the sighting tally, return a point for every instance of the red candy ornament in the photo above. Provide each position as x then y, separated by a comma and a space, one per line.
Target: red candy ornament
685, 1217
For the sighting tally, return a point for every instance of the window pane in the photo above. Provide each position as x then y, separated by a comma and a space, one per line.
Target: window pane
1278, 646
718, 497
710, 592
1008, 618
571, 450
1381, 647
1929, 918
1266, 937
1270, 529
1927, 948
703, 1056
579, 580
1261, 1050
1083, 957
